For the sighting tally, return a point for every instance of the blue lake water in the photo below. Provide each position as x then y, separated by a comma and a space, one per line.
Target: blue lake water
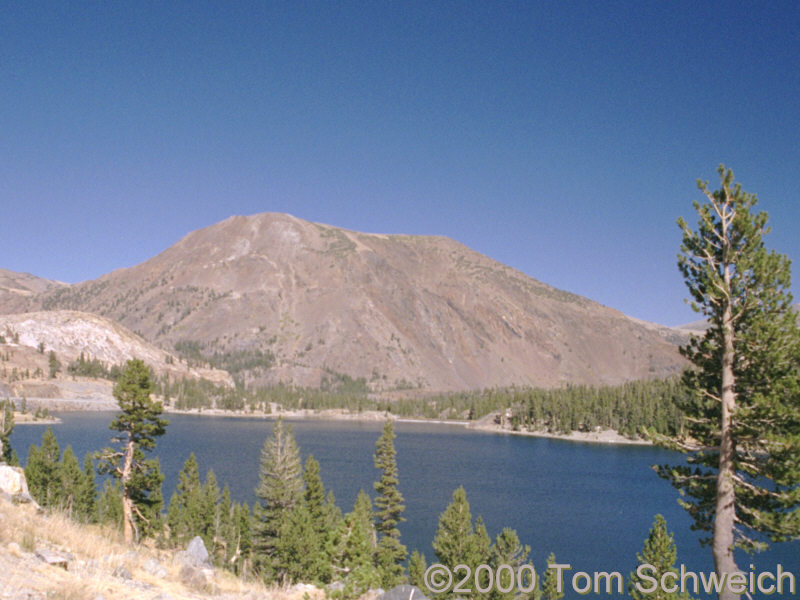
591, 504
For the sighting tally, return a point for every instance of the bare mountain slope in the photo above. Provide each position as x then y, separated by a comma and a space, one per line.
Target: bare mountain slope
17, 288
70, 333
291, 300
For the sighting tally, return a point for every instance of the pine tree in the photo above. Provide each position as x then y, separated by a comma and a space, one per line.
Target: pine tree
85, 493
417, 565
209, 512
146, 496
6, 427
298, 554
53, 364
388, 510
550, 585
356, 556
455, 541
183, 514
42, 471
660, 552
242, 534
108, 508
139, 424
279, 490
325, 517
71, 477
742, 436
507, 550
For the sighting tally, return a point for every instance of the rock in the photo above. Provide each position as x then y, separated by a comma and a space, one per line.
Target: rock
14, 549
162, 596
155, 568
336, 586
198, 578
99, 597
122, 573
197, 553
403, 592
50, 557
14, 486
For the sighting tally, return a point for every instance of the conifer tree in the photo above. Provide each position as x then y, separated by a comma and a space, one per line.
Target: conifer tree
139, 424
356, 557
550, 585
742, 436
42, 471
241, 539
325, 517
85, 493
660, 552
183, 514
6, 427
455, 541
417, 565
147, 498
209, 512
108, 508
279, 490
507, 550
71, 476
388, 510
298, 553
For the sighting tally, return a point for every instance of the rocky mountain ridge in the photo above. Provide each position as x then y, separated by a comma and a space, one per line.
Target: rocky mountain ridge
272, 298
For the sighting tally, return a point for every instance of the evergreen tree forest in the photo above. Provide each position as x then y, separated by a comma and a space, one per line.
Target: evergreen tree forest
630, 409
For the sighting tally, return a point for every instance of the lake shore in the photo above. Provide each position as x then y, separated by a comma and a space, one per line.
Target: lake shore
484, 425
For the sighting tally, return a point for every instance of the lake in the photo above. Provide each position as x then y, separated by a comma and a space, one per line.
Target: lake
591, 504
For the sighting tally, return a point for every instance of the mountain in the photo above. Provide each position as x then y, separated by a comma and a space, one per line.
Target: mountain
28, 339
274, 298
17, 288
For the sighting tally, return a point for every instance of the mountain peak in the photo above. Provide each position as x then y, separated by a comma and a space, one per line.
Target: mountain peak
298, 301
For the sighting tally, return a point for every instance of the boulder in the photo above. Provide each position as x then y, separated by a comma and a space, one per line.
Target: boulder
13, 485
403, 592
196, 572
198, 579
12, 480
197, 554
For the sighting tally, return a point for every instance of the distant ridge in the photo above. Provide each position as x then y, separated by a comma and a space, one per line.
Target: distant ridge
280, 299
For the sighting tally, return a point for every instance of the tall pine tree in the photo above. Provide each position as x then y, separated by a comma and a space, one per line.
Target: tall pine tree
279, 490
138, 425
742, 435
388, 510
43, 471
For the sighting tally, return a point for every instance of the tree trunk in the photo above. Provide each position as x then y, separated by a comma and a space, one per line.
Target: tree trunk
127, 503
725, 509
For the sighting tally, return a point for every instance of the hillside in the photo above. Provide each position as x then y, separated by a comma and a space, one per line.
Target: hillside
274, 298
48, 556
16, 288
28, 339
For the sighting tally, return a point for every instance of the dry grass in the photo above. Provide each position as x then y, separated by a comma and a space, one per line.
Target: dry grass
97, 551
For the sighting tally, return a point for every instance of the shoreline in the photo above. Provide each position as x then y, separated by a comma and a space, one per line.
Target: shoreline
606, 436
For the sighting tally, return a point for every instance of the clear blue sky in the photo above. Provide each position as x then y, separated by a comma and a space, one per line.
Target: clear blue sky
561, 138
